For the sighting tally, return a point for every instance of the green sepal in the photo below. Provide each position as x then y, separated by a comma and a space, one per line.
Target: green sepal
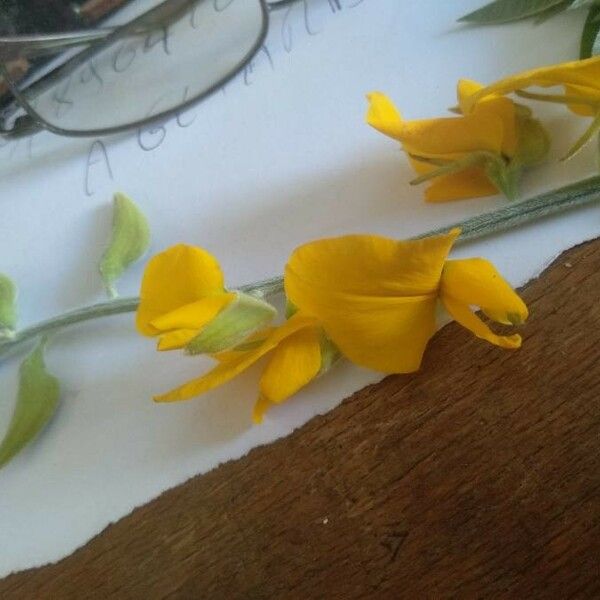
233, 325
504, 177
129, 241
37, 401
8, 305
533, 141
290, 309
504, 11
329, 354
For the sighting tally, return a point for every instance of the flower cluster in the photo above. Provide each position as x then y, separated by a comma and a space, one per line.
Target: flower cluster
370, 299
484, 150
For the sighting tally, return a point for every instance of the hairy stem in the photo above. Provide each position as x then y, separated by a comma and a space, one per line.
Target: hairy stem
510, 216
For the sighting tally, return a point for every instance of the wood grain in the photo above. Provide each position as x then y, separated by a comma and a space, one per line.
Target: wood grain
478, 477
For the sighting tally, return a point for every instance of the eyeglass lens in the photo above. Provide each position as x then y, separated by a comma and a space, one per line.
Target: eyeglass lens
156, 63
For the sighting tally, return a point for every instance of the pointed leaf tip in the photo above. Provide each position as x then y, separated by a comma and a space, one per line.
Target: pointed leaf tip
504, 11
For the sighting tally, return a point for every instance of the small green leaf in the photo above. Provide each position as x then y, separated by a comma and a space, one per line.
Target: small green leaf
590, 36
129, 241
233, 325
8, 304
504, 11
37, 401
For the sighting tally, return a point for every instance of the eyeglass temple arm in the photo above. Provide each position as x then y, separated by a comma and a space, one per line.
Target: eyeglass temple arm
29, 46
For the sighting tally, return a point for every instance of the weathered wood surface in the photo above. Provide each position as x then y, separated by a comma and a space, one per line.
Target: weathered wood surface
478, 477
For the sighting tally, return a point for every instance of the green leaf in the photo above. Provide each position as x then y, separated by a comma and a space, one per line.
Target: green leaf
590, 36
37, 401
8, 304
129, 241
504, 11
584, 3
233, 325
552, 11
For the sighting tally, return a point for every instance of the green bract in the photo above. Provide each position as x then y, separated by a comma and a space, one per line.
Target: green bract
129, 241
37, 401
233, 325
8, 304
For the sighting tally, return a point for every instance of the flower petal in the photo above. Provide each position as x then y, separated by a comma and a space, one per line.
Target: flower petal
582, 73
194, 315
583, 92
464, 90
453, 137
375, 297
448, 137
475, 281
234, 363
175, 340
179, 276
293, 364
383, 115
366, 265
462, 314
470, 183
385, 334
503, 109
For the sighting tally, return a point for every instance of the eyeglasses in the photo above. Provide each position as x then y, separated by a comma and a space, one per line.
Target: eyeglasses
141, 66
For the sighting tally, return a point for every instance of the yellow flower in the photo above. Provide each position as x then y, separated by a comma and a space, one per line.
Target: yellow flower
463, 157
184, 303
376, 297
580, 80
298, 354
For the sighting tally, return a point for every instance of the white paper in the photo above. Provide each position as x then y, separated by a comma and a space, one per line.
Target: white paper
280, 157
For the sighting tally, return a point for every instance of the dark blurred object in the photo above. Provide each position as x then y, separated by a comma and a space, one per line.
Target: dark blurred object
19, 17
46, 16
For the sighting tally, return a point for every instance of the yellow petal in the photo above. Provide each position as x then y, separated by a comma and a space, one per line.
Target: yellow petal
367, 265
293, 364
464, 90
179, 276
194, 315
383, 115
235, 363
463, 315
453, 137
261, 406
470, 183
434, 138
503, 109
581, 73
375, 297
385, 334
175, 340
583, 92
475, 281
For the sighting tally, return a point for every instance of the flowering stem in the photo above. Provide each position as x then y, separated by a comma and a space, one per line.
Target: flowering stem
510, 216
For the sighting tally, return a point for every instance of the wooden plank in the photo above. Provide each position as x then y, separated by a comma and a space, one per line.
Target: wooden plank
477, 477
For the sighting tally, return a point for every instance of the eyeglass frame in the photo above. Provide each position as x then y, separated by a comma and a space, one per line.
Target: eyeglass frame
31, 122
